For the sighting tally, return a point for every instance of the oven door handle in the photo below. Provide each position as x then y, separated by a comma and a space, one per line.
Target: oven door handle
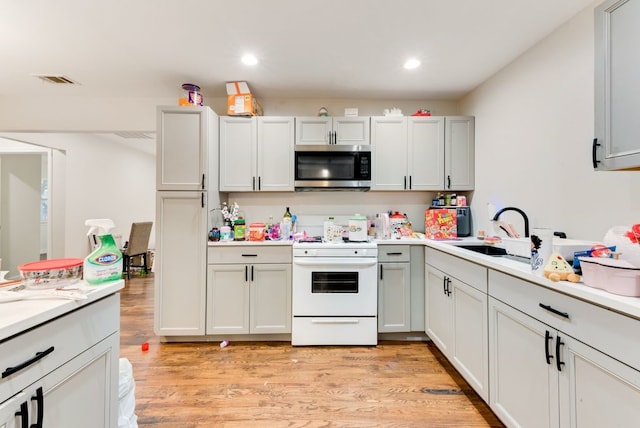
332, 262
335, 321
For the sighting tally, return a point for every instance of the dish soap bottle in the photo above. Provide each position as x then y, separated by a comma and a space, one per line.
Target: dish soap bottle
104, 264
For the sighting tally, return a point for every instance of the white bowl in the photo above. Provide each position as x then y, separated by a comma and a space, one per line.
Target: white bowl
615, 276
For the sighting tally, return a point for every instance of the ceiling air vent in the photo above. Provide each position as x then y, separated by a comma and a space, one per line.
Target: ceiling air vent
58, 79
132, 134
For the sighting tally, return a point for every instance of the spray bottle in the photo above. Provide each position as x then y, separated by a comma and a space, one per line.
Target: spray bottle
104, 264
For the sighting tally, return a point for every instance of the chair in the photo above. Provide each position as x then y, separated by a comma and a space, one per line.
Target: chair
137, 245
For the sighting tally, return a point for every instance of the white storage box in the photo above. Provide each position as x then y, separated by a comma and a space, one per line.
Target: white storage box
567, 247
615, 276
517, 246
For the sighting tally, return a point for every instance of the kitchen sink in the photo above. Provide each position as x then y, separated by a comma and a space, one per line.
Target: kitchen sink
489, 250
493, 251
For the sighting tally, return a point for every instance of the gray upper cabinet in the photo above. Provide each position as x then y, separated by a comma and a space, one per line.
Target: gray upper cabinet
616, 144
184, 136
333, 130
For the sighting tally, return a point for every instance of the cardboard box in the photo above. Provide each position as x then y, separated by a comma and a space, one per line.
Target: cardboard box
240, 100
440, 223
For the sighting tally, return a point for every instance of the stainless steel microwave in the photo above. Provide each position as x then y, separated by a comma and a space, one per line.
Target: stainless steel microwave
332, 167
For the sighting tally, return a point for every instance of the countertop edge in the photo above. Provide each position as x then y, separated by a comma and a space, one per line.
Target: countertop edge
38, 311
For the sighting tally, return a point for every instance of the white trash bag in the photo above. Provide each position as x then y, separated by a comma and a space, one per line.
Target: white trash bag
126, 396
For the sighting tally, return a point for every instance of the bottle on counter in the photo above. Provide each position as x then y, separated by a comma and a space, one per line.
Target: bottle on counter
287, 225
454, 200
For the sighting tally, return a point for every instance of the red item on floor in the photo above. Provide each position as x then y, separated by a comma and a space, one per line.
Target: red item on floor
145, 346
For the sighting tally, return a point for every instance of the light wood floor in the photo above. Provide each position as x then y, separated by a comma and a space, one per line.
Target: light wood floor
272, 384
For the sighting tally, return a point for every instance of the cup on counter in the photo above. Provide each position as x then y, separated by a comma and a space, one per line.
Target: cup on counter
541, 249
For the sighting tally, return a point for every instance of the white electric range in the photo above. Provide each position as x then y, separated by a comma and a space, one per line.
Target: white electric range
335, 293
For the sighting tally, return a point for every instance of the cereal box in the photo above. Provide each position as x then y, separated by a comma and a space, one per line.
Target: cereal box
440, 223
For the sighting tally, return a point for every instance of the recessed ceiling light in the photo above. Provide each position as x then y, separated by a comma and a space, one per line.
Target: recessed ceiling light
411, 64
249, 59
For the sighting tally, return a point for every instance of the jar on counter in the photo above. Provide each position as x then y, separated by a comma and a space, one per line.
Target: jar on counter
225, 233
239, 229
256, 232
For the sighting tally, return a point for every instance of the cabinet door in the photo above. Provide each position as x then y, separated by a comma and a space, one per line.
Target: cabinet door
181, 263
524, 387
270, 298
394, 297
238, 149
595, 389
389, 153
617, 99
459, 153
275, 154
84, 391
470, 348
437, 309
182, 148
351, 130
14, 410
313, 130
228, 298
426, 157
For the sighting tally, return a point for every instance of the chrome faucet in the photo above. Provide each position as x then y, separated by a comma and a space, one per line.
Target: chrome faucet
518, 210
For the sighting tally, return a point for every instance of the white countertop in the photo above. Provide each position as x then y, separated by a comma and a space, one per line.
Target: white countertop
21, 315
626, 305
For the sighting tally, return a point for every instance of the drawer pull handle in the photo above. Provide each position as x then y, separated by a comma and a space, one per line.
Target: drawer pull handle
394, 254
249, 255
547, 354
555, 311
39, 399
39, 355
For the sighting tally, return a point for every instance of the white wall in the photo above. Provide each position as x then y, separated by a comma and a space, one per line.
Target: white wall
104, 179
534, 129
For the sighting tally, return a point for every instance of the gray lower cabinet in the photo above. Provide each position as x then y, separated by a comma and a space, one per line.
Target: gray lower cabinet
546, 368
249, 290
400, 288
64, 372
456, 315
394, 288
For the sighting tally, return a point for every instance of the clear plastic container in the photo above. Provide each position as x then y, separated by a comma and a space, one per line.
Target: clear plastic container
256, 232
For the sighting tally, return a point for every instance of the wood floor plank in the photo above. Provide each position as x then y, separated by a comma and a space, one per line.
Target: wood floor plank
273, 384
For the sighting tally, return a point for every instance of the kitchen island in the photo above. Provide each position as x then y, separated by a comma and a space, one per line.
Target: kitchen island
59, 359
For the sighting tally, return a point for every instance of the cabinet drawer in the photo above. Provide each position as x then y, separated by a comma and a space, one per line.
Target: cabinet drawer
250, 254
394, 253
61, 339
467, 272
610, 332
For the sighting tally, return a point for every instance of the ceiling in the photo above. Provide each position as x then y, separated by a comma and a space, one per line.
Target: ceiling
307, 49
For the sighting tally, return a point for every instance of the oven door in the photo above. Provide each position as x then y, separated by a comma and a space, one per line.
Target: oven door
326, 286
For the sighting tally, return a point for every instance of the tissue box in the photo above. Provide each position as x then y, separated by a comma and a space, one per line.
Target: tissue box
440, 224
240, 100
